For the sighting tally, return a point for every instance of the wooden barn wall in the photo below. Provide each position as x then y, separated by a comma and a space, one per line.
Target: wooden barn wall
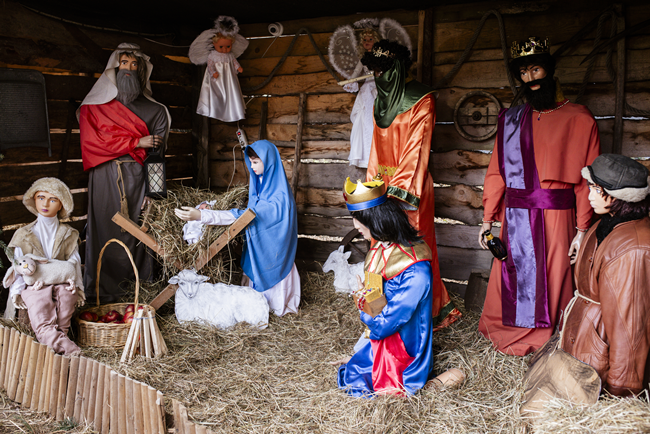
71, 59
458, 165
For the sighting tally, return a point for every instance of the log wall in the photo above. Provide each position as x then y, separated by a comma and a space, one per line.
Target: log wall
458, 165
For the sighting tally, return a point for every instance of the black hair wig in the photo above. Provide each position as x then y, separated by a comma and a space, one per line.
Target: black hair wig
251, 153
384, 63
388, 222
544, 60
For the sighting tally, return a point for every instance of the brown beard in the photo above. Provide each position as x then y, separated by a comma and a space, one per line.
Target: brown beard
128, 86
544, 97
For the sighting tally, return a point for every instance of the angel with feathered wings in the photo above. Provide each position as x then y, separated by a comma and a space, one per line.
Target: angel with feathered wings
345, 52
219, 47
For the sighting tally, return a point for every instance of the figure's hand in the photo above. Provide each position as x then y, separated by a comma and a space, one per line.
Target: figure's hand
215, 75
574, 248
240, 69
18, 302
188, 213
145, 203
341, 361
71, 286
150, 142
37, 285
359, 282
351, 87
481, 239
80, 302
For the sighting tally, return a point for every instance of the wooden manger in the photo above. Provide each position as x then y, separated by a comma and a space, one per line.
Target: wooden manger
138, 232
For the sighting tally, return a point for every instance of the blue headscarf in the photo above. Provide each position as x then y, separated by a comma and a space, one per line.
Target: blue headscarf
272, 237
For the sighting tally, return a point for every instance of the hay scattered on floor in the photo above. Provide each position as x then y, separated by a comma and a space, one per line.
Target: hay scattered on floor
167, 230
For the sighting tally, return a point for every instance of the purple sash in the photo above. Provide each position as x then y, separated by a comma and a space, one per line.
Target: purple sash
524, 293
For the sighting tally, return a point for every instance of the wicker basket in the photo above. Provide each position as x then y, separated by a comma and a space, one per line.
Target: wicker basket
107, 335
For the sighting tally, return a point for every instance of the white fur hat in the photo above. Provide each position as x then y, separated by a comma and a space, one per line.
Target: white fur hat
53, 186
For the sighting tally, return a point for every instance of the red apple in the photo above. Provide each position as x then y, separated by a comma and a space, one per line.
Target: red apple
112, 316
118, 321
128, 317
88, 316
129, 308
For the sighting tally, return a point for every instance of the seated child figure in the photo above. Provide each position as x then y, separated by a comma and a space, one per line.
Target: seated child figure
50, 308
607, 324
193, 230
398, 359
271, 239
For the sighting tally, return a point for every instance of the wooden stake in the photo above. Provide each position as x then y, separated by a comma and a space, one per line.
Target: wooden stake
189, 427
85, 392
121, 404
91, 397
138, 423
155, 339
146, 408
54, 385
179, 425
183, 418
146, 333
39, 377
99, 397
16, 365
22, 377
114, 398
46, 382
160, 404
4, 332
159, 337
72, 388
78, 394
31, 370
14, 337
129, 416
131, 339
63, 389
106, 409
201, 429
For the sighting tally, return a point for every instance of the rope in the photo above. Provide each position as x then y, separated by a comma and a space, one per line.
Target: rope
470, 45
284, 57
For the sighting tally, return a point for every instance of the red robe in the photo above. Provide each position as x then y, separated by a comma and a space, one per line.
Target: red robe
401, 154
565, 141
109, 131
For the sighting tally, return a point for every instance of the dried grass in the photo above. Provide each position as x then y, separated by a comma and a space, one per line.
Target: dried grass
167, 230
278, 380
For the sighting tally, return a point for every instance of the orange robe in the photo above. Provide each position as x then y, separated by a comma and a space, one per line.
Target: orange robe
565, 141
401, 154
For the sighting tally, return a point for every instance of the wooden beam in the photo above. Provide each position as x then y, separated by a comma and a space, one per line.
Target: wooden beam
617, 146
215, 247
296, 161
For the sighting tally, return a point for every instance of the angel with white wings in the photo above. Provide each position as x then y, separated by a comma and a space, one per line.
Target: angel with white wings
219, 47
345, 53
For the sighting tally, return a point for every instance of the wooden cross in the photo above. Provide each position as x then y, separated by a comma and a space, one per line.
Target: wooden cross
131, 227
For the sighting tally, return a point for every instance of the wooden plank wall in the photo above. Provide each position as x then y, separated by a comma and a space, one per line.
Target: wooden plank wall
71, 58
458, 165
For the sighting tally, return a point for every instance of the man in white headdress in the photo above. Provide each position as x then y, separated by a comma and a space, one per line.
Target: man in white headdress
119, 120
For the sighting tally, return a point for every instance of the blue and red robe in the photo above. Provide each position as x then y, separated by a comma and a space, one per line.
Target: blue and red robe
399, 356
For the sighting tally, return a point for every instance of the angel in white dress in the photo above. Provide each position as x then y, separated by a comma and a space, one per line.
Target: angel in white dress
219, 47
345, 53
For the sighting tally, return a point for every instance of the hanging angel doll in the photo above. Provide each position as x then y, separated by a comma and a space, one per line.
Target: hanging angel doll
219, 47
345, 53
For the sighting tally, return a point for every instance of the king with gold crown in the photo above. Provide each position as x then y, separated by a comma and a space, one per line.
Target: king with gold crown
534, 188
395, 300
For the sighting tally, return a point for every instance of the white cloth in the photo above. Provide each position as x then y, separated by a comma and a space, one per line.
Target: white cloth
362, 124
284, 297
193, 230
221, 97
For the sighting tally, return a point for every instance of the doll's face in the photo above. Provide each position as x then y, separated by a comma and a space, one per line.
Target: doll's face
47, 204
598, 202
363, 229
257, 165
128, 62
205, 206
532, 73
222, 45
367, 42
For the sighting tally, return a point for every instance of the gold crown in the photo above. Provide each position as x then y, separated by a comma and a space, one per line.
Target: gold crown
363, 195
379, 52
532, 45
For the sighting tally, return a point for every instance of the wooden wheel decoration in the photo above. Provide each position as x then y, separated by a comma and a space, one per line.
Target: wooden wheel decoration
476, 115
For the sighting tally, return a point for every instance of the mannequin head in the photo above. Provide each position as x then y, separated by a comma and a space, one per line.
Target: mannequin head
47, 204
222, 44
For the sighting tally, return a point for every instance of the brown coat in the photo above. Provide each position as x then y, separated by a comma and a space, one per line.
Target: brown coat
609, 327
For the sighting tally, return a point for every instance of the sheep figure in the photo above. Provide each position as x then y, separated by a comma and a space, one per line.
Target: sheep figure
345, 275
38, 272
218, 304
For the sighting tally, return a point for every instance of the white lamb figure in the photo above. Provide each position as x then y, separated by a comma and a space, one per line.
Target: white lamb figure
218, 304
38, 272
345, 275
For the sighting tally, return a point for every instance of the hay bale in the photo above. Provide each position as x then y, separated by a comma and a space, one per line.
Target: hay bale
167, 230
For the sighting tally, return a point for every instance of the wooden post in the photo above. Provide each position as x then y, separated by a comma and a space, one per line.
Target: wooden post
22, 376
264, 114
121, 404
46, 383
160, 405
114, 398
85, 397
138, 423
70, 394
146, 333
14, 337
146, 408
20, 342
128, 400
63, 389
39, 377
106, 409
78, 395
201, 429
189, 427
617, 145
31, 370
70, 123
4, 355
54, 384
427, 31
295, 174
179, 425
91, 396
99, 397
